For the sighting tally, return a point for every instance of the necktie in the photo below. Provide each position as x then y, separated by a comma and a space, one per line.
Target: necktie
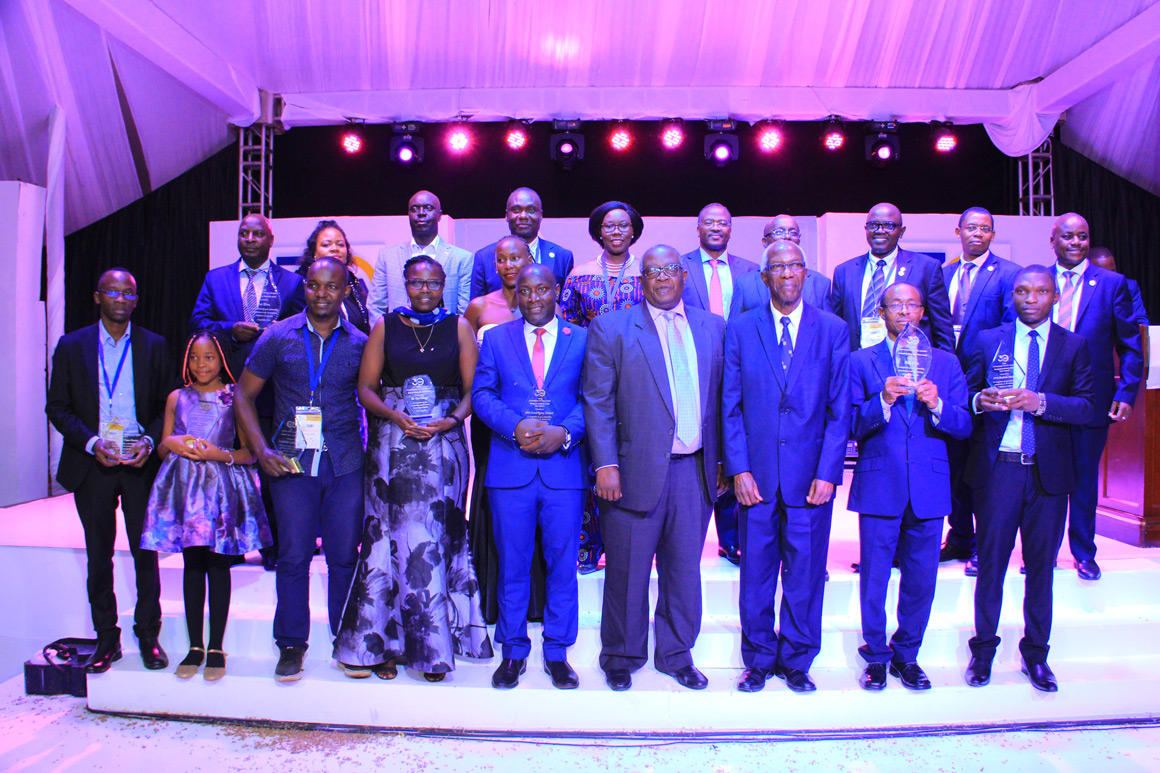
964, 293
250, 297
1032, 383
716, 297
1065, 302
874, 293
785, 346
538, 357
682, 382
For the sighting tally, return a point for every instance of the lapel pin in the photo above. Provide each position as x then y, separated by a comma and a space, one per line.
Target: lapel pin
901, 270
990, 268
567, 331
1092, 282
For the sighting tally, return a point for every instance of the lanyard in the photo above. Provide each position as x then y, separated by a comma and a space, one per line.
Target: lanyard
327, 349
111, 388
611, 290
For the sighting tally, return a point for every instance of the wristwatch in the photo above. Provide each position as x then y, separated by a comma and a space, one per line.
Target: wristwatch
567, 439
1042, 405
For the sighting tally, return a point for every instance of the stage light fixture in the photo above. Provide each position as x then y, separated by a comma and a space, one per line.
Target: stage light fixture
516, 135
769, 136
351, 142
721, 146
566, 146
620, 138
833, 136
406, 147
459, 138
882, 145
944, 138
672, 133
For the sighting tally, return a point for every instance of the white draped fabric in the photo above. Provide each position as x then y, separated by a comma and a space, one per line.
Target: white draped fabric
169, 75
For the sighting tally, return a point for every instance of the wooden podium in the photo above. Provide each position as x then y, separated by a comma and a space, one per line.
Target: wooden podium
1129, 501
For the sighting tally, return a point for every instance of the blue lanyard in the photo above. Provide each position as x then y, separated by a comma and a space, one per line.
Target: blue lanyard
327, 349
110, 388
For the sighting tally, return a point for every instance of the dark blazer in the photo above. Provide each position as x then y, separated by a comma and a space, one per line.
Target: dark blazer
1066, 381
502, 385
1106, 319
485, 279
754, 293
904, 460
74, 391
628, 407
697, 291
922, 271
1137, 302
990, 303
786, 428
219, 306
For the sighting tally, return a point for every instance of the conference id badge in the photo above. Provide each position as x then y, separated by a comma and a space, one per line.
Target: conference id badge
308, 428
873, 331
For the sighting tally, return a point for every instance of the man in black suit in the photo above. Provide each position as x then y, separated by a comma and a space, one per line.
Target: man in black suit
652, 394
714, 285
1021, 464
109, 385
524, 214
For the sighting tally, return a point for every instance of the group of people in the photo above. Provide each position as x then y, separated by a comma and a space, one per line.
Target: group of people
616, 406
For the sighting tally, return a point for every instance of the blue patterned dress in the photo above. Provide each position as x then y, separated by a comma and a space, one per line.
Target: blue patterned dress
205, 504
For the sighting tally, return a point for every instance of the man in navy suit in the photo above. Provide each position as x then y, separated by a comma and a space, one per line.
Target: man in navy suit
1096, 304
859, 282
652, 392
785, 410
714, 279
524, 214
1103, 257
1021, 464
105, 376
535, 472
901, 488
979, 285
815, 288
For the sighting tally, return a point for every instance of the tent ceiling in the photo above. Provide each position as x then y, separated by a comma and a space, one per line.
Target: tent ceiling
147, 88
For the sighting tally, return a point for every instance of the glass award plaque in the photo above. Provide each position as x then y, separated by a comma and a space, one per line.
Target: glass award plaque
202, 420
912, 354
1004, 372
123, 435
419, 396
264, 316
539, 407
285, 443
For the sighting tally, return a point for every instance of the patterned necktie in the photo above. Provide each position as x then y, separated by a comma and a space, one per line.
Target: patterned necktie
250, 296
538, 357
964, 293
1032, 384
683, 396
1065, 302
716, 297
874, 293
785, 346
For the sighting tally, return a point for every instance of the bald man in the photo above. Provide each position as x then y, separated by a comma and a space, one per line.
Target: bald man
524, 214
388, 291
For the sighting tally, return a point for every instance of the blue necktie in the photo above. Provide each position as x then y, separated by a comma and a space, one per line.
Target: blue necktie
786, 345
1032, 383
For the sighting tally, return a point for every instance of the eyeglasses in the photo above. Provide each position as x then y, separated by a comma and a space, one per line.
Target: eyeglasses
653, 272
430, 284
716, 223
609, 228
876, 227
781, 233
777, 269
972, 228
898, 306
114, 294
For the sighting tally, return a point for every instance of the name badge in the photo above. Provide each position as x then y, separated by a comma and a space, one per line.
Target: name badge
873, 331
308, 428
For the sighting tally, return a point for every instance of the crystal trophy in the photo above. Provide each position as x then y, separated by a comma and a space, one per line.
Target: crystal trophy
419, 396
202, 420
539, 407
1004, 372
285, 442
123, 435
912, 354
264, 316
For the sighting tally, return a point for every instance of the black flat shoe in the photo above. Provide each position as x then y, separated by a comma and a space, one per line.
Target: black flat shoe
798, 681
618, 679
730, 553
910, 674
978, 673
152, 655
563, 676
507, 675
1040, 676
106, 654
1088, 569
873, 677
753, 680
689, 677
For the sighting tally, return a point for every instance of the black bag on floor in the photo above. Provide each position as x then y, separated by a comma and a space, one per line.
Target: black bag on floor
59, 669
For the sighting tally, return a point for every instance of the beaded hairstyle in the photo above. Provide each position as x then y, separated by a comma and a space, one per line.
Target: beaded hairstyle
226, 376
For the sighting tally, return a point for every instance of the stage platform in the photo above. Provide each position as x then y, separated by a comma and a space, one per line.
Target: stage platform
1103, 652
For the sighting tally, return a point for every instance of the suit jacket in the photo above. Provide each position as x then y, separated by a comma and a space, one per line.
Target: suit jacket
697, 290
990, 303
485, 279
754, 293
219, 306
1066, 381
504, 381
74, 392
1137, 302
922, 271
388, 290
628, 407
786, 428
904, 461
1106, 319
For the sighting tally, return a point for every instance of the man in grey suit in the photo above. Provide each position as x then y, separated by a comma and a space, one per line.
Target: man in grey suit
815, 287
652, 394
388, 292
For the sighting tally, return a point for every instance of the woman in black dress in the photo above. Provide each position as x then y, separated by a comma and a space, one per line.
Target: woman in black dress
328, 238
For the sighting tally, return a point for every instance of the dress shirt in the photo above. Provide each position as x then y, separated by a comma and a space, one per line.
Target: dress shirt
123, 404
723, 273
427, 249
551, 330
682, 323
1077, 283
1013, 435
534, 248
795, 321
956, 278
260, 278
868, 275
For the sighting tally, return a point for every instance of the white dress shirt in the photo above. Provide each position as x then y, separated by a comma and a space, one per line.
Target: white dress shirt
871, 267
260, 278
1077, 283
122, 405
682, 323
795, 321
956, 277
426, 249
723, 273
1013, 435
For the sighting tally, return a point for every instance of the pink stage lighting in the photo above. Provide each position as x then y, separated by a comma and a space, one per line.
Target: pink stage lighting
672, 134
944, 140
620, 139
884, 152
351, 142
459, 140
516, 138
834, 140
722, 153
768, 138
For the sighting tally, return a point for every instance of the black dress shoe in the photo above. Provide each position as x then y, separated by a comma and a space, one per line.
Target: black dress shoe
730, 553
507, 675
753, 680
106, 654
1088, 569
873, 677
1040, 675
978, 673
910, 674
689, 677
798, 681
563, 675
618, 679
951, 552
588, 568
152, 655
972, 567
